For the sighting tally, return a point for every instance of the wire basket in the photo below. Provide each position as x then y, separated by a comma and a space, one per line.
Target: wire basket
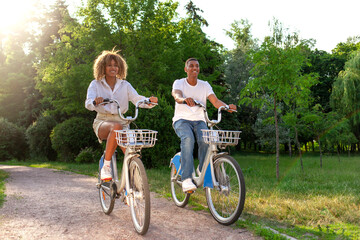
138, 138
221, 137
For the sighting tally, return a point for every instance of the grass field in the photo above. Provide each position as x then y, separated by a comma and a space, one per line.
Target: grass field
317, 203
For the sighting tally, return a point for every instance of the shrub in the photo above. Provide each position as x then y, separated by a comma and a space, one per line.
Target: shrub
88, 155
38, 138
12, 141
72, 135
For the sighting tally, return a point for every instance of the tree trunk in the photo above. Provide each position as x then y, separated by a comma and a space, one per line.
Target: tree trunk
277, 141
298, 144
320, 151
338, 153
290, 153
313, 145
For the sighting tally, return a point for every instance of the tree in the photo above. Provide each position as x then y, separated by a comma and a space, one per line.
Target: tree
345, 97
277, 74
327, 66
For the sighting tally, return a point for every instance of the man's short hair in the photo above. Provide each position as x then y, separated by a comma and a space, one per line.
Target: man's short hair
190, 59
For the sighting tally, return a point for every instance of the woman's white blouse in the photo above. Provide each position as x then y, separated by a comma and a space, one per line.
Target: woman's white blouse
123, 92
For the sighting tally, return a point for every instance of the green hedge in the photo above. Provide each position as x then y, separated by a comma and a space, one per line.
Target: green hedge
12, 141
71, 136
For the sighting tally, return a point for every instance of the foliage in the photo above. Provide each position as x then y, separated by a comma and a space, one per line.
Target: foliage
72, 135
264, 130
12, 141
345, 95
88, 155
38, 137
327, 66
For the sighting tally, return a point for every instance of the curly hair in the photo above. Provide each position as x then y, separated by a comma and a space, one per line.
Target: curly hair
103, 59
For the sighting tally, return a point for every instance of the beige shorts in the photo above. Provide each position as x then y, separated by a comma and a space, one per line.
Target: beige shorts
101, 118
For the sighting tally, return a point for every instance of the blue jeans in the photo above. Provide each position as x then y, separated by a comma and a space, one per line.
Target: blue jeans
187, 131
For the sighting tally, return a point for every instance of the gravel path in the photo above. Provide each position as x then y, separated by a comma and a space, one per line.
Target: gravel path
50, 204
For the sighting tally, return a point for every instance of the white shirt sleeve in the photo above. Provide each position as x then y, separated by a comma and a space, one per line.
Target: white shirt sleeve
209, 89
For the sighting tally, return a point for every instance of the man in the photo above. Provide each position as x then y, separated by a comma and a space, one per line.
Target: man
189, 119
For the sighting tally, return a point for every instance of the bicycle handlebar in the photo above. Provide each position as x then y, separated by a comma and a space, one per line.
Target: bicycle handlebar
128, 119
213, 122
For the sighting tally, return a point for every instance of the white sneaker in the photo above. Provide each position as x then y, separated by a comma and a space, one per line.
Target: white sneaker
106, 173
188, 185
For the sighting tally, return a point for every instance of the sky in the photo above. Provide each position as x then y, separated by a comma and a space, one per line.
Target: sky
329, 22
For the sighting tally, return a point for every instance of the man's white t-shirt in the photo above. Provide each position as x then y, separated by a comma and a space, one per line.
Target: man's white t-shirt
200, 92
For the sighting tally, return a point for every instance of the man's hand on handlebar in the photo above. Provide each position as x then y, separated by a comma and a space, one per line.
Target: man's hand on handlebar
153, 99
190, 102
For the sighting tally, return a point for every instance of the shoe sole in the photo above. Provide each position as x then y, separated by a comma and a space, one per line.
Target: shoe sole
106, 179
189, 190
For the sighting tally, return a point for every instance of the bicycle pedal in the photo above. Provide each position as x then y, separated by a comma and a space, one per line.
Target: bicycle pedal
190, 192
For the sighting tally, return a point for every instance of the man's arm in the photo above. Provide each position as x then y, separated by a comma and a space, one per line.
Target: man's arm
218, 103
179, 98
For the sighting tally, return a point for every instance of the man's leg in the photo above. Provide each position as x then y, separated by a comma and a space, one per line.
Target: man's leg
203, 147
184, 130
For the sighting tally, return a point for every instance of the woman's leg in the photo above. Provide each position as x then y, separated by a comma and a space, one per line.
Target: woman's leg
106, 131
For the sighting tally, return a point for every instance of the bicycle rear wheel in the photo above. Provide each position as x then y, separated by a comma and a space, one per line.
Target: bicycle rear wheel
107, 192
180, 198
139, 196
226, 202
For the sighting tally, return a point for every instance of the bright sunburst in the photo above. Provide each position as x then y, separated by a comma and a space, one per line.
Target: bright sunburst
13, 12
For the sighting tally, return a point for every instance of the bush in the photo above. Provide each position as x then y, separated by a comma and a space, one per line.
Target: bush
38, 138
88, 155
12, 141
72, 135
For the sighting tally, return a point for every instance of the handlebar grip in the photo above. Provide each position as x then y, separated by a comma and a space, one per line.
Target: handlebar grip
106, 100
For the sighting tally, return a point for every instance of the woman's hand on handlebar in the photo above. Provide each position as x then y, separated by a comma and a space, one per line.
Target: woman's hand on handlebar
232, 108
98, 100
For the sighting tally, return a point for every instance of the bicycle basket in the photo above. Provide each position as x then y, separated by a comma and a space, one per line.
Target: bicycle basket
221, 137
138, 138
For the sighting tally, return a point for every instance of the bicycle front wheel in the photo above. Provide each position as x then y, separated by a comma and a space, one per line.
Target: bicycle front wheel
180, 198
107, 192
226, 202
139, 196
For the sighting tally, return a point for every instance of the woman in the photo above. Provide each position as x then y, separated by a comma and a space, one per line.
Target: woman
110, 70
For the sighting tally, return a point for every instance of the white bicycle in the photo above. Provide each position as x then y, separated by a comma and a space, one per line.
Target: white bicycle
133, 187
221, 175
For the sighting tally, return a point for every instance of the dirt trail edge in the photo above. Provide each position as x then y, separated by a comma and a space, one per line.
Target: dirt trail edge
50, 204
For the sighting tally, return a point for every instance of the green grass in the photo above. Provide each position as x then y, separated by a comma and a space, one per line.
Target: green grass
3, 176
317, 203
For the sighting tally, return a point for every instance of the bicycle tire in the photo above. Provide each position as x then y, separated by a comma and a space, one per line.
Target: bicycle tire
180, 198
227, 202
107, 196
139, 196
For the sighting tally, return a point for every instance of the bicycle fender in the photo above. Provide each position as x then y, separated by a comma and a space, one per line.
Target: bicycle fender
208, 178
177, 163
